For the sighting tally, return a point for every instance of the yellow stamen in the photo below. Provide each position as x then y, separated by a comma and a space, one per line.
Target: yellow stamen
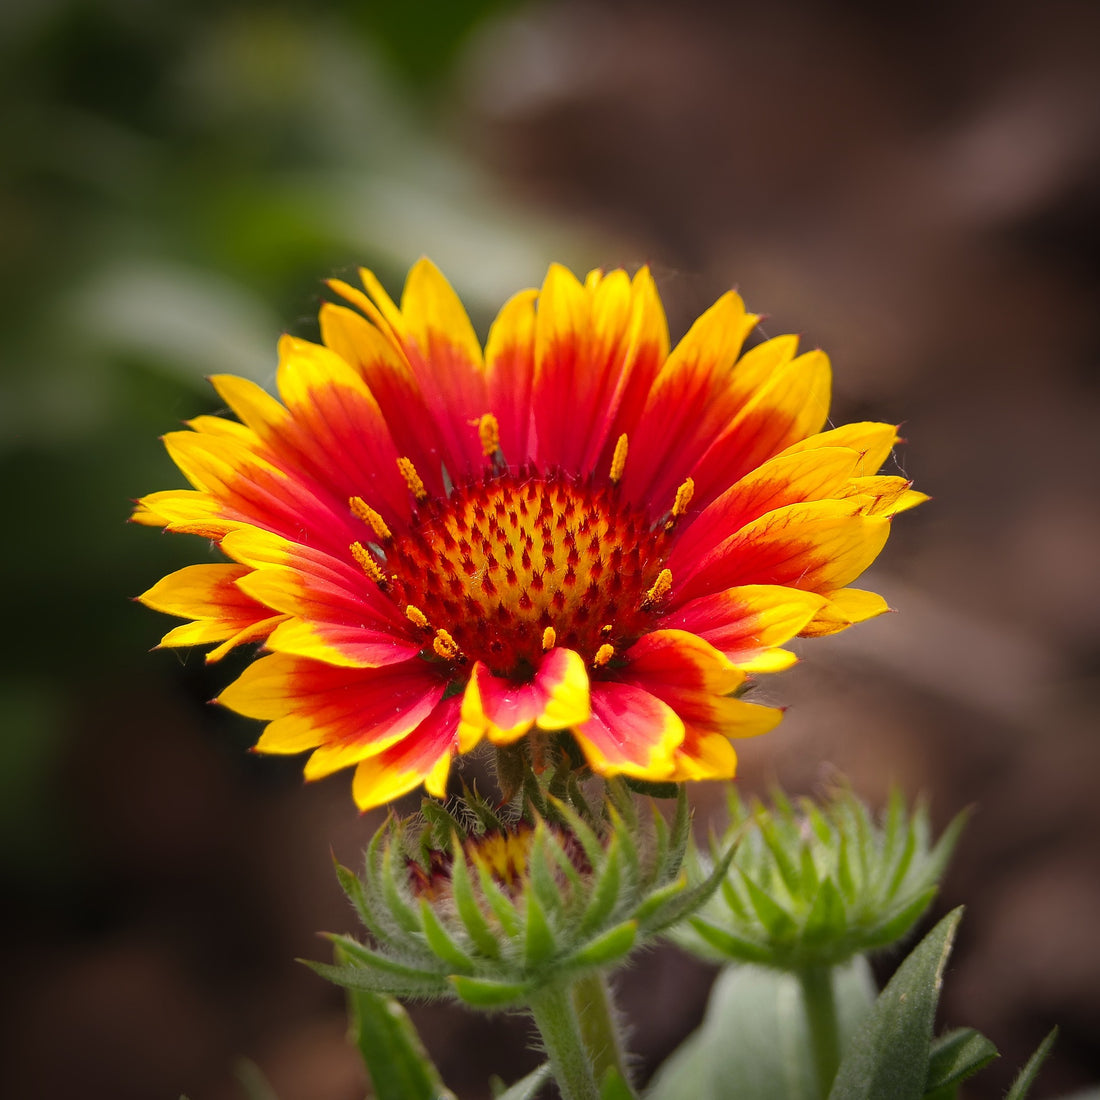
412, 478
683, 497
606, 629
369, 566
416, 617
488, 431
445, 645
618, 460
603, 655
661, 587
363, 511
549, 638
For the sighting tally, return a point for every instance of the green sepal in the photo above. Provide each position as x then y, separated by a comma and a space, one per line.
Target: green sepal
889, 1054
827, 918
352, 885
525, 1089
956, 1056
893, 929
605, 892
682, 903
486, 993
402, 912
396, 1061
469, 912
678, 840
1022, 1085
442, 946
538, 938
501, 906
390, 977
776, 920
605, 949
539, 872
730, 946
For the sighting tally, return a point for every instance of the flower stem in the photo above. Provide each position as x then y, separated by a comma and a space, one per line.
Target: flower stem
599, 1027
556, 1018
819, 1001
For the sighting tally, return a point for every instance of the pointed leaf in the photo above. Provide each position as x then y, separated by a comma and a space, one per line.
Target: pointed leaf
956, 1056
1022, 1085
396, 1061
889, 1054
527, 1088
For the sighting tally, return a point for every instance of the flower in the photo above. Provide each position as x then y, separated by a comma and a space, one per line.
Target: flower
577, 530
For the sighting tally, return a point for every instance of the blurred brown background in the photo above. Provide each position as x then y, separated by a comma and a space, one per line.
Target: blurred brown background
918, 192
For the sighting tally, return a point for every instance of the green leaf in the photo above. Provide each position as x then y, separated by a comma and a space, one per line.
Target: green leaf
396, 1061
485, 993
1022, 1085
956, 1056
753, 1044
527, 1088
889, 1055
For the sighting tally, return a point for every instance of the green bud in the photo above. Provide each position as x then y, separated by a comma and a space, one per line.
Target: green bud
461, 902
811, 885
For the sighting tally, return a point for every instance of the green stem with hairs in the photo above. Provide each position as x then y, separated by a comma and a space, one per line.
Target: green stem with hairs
556, 1018
598, 1023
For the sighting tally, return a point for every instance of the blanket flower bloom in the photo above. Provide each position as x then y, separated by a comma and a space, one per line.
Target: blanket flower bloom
578, 529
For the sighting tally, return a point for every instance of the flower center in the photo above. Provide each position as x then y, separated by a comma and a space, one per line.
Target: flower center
504, 569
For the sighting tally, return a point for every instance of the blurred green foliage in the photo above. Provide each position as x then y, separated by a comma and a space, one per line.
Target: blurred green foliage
178, 178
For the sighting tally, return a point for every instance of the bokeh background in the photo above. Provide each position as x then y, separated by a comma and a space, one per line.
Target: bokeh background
914, 188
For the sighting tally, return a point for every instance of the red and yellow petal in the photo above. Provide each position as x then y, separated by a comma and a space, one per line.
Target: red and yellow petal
872, 440
843, 609
630, 732
583, 338
748, 623
787, 479
424, 756
510, 375
344, 715
706, 752
503, 710
791, 404
210, 595
689, 404
818, 546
